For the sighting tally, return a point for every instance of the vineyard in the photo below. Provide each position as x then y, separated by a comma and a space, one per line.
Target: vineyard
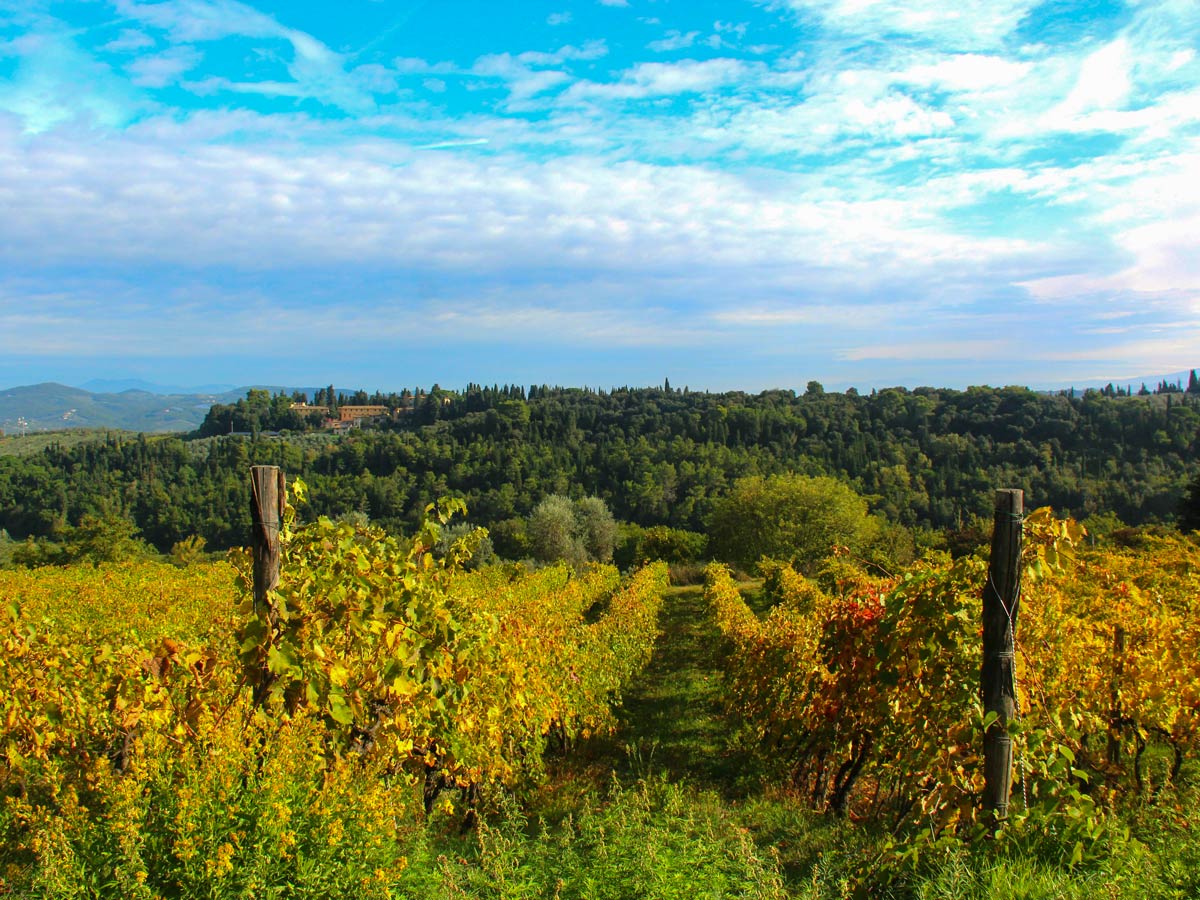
386, 722
160, 737
862, 691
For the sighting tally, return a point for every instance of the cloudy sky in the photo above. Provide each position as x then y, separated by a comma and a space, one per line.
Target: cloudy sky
735, 194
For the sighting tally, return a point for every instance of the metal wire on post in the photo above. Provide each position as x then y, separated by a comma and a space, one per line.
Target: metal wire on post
998, 681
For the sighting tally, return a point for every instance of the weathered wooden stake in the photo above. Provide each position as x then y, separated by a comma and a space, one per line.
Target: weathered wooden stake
267, 498
1001, 603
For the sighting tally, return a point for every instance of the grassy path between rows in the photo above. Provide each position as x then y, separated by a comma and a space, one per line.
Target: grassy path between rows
671, 719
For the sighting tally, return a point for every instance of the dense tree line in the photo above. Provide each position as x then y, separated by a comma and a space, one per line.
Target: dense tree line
260, 411
655, 456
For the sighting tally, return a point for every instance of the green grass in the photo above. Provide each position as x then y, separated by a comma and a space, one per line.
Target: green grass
671, 719
656, 839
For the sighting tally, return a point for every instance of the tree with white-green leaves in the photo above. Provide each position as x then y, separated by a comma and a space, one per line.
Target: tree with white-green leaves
579, 532
596, 527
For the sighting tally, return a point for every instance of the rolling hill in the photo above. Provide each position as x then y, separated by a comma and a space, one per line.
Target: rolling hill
53, 407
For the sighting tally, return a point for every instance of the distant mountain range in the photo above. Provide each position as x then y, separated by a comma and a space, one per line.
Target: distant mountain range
117, 385
120, 405
51, 407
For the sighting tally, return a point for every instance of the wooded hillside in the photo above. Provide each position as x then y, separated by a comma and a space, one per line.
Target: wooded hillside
926, 457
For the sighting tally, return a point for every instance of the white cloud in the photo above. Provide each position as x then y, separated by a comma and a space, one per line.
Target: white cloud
528, 74
652, 79
526, 323
895, 116
559, 18
1163, 353
408, 65
318, 72
930, 350
825, 121
1103, 82
129, 41
56, 83
221, 205
446, 145
595, 49
188, 21
523, 82
162, 69
966, 23
1180, 58
867, 316
675, 40
1152, 212
966, 72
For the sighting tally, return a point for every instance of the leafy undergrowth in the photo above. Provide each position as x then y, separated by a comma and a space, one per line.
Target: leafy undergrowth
656, 839
661, 839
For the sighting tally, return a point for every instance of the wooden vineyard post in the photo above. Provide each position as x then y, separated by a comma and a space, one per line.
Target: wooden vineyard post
1001, 603
267, 496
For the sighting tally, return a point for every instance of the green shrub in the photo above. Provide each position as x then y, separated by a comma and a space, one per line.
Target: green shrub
253, 810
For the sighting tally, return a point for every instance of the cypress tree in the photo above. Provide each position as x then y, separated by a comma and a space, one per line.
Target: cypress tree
1189, 508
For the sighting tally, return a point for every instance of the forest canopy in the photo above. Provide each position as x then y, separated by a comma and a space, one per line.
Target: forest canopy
923, 458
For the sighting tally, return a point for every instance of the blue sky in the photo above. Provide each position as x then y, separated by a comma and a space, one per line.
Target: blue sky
743, 194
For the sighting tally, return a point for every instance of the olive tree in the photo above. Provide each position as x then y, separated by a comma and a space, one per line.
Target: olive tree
578, 532
596, 528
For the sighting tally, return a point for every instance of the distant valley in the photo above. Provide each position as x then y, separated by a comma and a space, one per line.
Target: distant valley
52, 407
